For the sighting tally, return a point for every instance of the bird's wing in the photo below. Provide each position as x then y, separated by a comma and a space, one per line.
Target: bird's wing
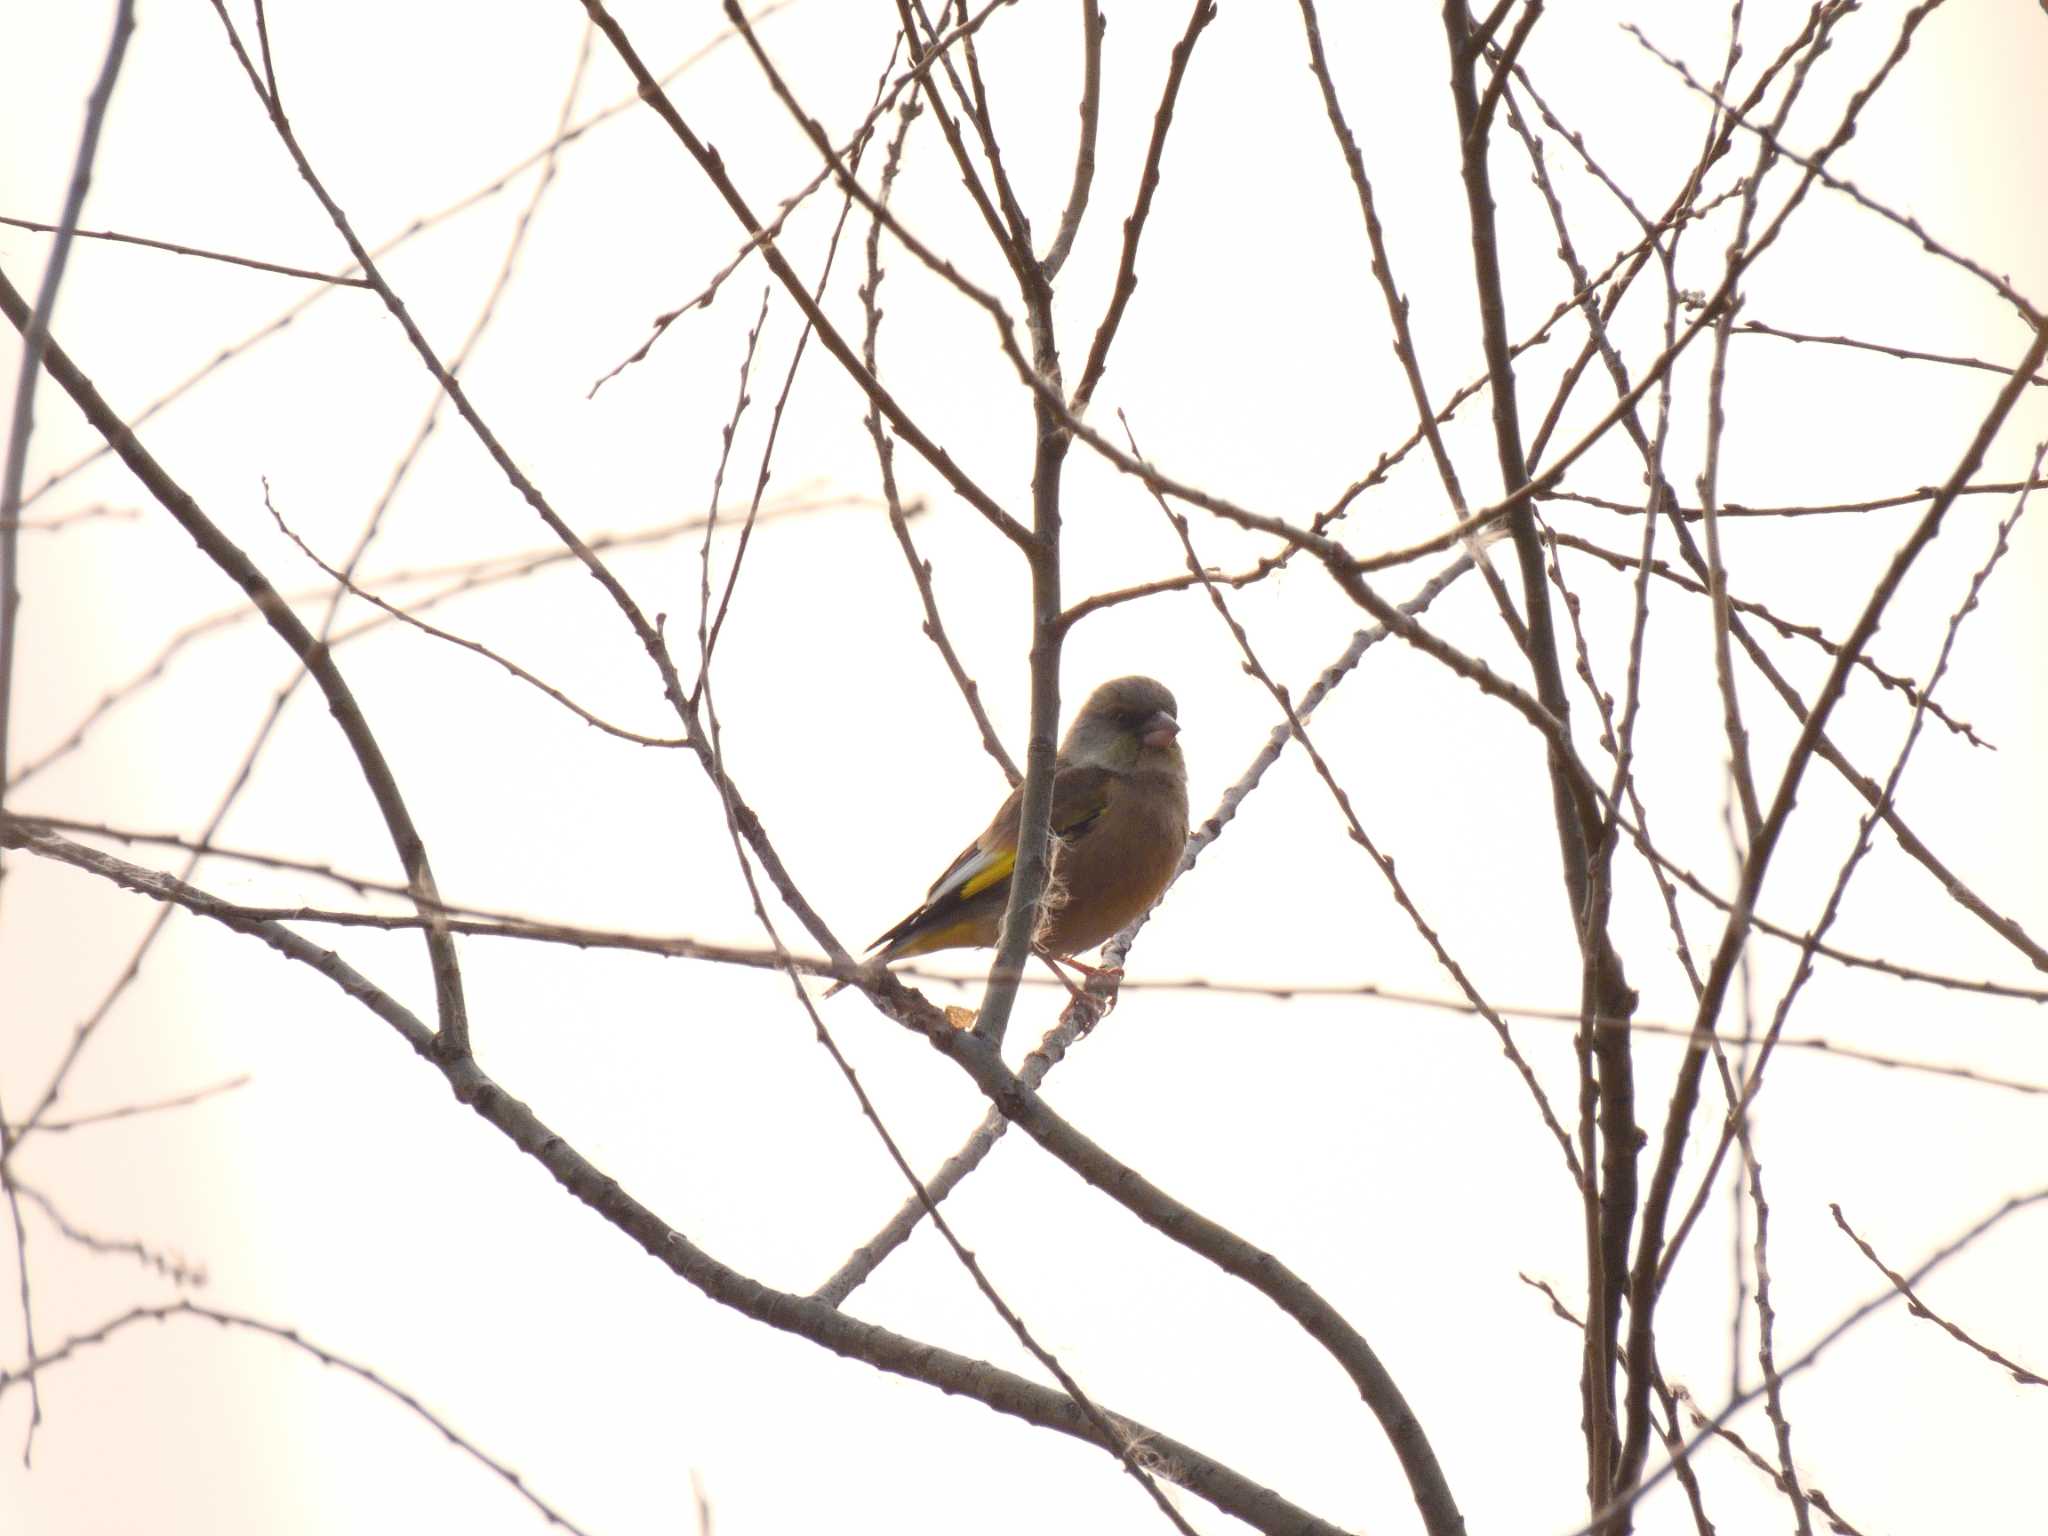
1079, 796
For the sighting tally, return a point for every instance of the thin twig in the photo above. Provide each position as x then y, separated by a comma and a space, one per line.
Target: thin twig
1919, 1308
152, 1107
335, 279
34, 325
175, 1270
36, 1365
1199, 17
885, 458
1766, 1325
474, 647
1092, 25
1905, 354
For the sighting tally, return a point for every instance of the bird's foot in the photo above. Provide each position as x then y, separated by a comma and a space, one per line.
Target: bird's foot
1109, 975
1092, 1005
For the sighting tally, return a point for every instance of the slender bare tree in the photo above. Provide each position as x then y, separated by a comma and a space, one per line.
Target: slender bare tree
1573, 472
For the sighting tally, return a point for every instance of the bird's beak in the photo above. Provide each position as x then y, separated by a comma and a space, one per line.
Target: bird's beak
1160, 730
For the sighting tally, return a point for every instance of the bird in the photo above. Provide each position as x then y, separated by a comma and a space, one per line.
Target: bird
1119, 824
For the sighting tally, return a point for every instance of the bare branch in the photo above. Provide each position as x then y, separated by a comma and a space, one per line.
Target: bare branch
1203, 13
1092, 25
1650, 1254
335, 279
813, 1320
1919, 1308
237, 566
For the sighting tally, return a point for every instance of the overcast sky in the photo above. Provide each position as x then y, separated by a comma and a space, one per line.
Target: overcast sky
1382, 1149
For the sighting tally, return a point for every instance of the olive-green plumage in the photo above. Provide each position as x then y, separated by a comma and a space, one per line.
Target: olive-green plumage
1119, 823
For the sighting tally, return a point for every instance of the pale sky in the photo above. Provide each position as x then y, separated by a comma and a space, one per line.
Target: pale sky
1384, 1151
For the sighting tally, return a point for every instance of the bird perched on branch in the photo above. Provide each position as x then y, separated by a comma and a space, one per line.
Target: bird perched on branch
1119, 824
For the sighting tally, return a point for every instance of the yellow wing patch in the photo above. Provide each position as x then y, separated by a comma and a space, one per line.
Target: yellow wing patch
999, 867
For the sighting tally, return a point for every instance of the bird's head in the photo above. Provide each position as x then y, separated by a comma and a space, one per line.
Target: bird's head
1127, 726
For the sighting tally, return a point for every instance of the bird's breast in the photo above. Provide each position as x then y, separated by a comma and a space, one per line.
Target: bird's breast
1118, 867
